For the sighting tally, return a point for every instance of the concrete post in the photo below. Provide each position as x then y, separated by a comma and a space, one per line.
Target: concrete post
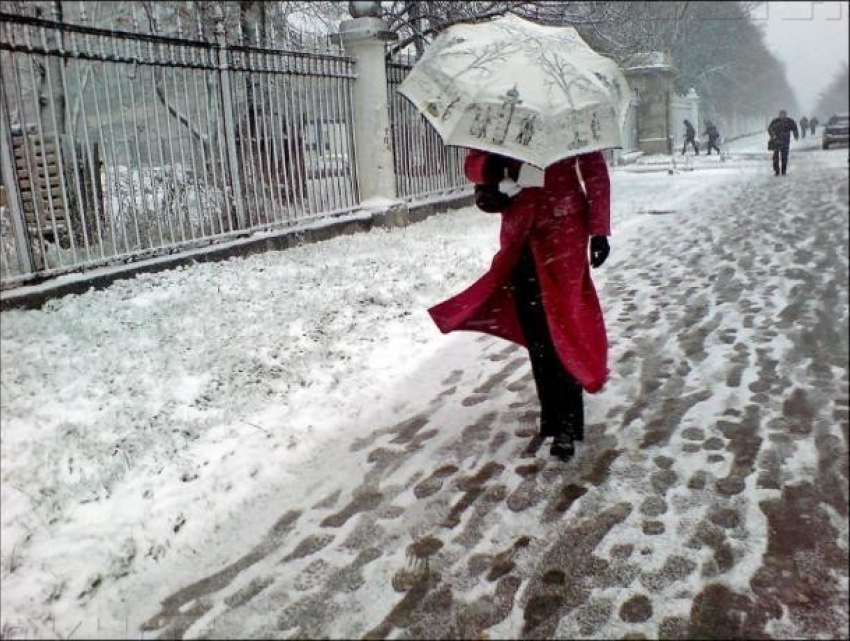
651, 76
365, 40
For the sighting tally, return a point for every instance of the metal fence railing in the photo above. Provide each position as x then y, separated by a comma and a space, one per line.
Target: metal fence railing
424, 166
117, 146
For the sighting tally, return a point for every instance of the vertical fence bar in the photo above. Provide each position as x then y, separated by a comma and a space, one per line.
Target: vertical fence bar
318, 134
339, 136
208, 163
95, 179
32, 170
273, 184
352, 134
227, 104
128, 155
269, 183
208, 201
296, 141
169, 177
243, 125
108, 188
16, 207
156, 210
255, 128
70, 143
341, 86
332, 120
284, 154
184, 217
276, 152
34, 177
223, 150
136, 167
57, 133
192, 134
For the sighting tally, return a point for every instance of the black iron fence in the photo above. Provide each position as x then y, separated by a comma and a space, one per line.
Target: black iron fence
118, 146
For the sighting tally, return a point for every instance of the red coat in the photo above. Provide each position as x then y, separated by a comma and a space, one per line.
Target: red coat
557, 220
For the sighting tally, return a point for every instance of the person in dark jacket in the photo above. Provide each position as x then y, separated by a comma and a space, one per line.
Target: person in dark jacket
713, 136
690, 137
804, 126
780, 130
538, 291
813, 123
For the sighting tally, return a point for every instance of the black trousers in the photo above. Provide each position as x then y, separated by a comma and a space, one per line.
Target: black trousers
561, 401
712, 144
693, 142
780, 152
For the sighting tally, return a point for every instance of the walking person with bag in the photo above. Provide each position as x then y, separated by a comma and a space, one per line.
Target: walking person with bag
780, 130
538, 292
713, 136
690, 137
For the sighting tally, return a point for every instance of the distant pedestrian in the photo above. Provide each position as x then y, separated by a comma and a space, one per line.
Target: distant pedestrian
813, 123
538, 291
713, 136
690, 137
780, 130
804, 126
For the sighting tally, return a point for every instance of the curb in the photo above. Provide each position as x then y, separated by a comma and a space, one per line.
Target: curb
400, 214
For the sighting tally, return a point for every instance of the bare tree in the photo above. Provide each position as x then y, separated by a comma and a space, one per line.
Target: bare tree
833, 99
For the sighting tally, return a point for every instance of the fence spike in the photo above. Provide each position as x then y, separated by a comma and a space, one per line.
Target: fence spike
134, 19
273, 35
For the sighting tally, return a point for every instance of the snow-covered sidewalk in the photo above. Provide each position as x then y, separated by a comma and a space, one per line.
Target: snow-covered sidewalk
284, 445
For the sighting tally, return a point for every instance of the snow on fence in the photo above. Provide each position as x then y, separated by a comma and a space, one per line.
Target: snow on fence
118, 146
735, 125
423, 165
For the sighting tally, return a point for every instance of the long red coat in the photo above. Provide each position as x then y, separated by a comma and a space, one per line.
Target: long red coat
557, 220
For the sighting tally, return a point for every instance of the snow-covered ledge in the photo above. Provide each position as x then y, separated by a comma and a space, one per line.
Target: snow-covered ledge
375, 212
386, 211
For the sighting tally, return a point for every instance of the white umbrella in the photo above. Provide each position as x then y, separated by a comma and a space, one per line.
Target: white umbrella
531, 92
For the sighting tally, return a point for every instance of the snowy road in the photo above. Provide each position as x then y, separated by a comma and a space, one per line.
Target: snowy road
400, 492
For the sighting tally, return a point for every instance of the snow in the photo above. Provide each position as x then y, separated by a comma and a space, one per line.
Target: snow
153, 431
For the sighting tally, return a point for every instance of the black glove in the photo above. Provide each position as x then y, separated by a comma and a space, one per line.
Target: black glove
488, 198
599, 250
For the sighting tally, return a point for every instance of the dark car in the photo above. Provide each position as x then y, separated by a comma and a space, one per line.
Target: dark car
837, 129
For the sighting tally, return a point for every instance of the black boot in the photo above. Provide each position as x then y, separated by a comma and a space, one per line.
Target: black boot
563, 448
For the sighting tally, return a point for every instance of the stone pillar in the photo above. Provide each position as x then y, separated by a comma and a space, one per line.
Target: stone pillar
694, 100
651, 76
365, 39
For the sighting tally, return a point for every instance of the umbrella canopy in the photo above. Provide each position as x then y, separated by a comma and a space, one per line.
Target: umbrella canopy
531, 92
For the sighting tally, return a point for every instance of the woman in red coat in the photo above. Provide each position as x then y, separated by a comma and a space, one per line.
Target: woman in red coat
538, 292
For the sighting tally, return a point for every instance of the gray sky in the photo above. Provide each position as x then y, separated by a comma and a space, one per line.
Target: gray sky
811, 38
